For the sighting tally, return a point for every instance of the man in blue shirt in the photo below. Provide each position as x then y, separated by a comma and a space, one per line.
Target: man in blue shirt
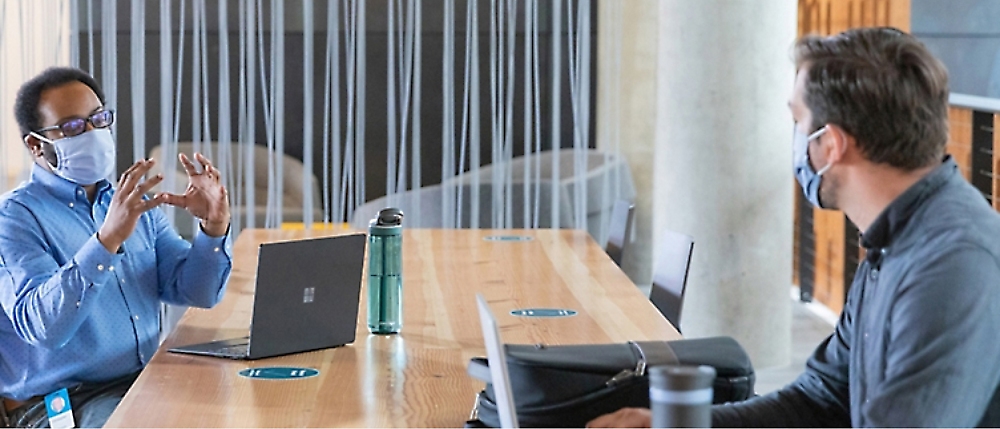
84, 265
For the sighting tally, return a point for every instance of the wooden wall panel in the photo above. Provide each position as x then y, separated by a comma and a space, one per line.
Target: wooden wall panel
833, 16
828, 227
796, 233
960, 139
996, 163
834, 239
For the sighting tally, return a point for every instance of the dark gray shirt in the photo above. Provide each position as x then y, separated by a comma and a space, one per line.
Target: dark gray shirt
918, 342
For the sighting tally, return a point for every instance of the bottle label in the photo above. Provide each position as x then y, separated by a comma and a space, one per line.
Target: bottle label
687, 397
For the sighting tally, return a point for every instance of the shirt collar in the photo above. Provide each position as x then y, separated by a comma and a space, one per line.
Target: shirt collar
62, 188
894, 217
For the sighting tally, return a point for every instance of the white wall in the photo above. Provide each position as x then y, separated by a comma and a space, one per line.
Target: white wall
34, 35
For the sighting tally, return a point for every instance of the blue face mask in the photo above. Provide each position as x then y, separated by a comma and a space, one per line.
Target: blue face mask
84, 159
808, 178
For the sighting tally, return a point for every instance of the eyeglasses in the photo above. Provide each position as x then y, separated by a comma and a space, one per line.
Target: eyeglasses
77, 126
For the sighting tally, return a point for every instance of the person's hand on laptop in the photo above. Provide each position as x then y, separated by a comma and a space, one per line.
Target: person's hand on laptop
624, 418
205, 198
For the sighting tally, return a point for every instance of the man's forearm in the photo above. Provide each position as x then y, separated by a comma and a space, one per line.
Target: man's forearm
49, 314
788, 407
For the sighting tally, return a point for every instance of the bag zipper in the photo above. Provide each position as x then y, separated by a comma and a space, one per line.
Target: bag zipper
625, 374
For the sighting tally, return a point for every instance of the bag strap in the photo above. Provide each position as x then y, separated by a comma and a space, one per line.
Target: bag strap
654, 353
651, 353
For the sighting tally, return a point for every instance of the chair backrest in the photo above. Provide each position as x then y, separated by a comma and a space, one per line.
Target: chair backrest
292, 169
423, 206
670, 276
620, 230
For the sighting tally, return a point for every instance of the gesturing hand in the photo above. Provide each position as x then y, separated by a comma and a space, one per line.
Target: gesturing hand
205, 197
127, 205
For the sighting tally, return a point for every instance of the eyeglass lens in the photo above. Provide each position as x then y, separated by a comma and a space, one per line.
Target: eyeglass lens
74, 127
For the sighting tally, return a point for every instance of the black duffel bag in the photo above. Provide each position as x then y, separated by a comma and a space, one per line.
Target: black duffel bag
567, 386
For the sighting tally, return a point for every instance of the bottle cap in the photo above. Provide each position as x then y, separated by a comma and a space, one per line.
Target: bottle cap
681, 378
389, 216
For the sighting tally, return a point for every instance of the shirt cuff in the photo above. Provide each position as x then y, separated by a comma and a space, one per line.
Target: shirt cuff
207, 244
95, 262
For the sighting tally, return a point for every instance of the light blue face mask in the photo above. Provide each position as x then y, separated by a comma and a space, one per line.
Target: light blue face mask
84, 159
808, 178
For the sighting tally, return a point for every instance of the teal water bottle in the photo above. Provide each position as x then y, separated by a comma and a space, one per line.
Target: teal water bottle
385, 272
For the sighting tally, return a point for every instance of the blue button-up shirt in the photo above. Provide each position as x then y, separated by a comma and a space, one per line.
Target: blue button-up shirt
76, 312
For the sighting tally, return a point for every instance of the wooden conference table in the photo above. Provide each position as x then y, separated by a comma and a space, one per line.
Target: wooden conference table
416, 378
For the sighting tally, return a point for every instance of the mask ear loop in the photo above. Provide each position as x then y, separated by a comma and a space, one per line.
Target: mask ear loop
829, 164
54, 147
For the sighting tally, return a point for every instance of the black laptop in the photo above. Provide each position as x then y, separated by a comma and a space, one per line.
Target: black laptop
307, 297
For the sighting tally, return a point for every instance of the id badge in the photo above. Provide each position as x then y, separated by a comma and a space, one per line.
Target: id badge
60, 412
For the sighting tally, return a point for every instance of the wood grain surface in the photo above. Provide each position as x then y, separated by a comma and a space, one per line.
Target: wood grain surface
416, 378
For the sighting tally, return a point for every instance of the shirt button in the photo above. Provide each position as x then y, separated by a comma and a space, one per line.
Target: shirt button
216, 249
111, 268
79, 192
122, 280
78, 304
71, 205
874, 275
100, 267
135, 316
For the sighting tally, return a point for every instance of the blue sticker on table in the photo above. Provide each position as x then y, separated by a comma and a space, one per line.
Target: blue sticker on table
279, 373
508, 238
543, 312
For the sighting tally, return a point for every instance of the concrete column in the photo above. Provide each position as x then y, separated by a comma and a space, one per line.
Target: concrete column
723, 164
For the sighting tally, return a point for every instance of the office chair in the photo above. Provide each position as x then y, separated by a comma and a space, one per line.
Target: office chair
670, 276
620, 230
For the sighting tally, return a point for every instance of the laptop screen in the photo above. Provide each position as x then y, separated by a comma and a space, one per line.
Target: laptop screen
498, 365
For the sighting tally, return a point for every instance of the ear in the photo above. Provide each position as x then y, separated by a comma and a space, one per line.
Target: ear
839, 142
34, 145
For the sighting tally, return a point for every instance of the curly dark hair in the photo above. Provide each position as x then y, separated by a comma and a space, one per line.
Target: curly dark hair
28, 96
883, 87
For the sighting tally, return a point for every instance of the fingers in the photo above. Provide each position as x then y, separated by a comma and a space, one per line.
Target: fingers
204, 161
127, 172
144, 187
623, 418
132, 177
213, 173
189, 166
209, 169
173, 199
151, 203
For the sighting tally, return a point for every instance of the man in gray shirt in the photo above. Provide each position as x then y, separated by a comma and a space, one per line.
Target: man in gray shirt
917, 343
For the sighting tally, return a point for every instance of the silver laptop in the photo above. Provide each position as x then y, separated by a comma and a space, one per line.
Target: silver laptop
307, 297
499, 375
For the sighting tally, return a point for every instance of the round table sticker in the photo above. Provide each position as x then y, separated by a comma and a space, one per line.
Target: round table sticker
279, 373
543, 312
508, 238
